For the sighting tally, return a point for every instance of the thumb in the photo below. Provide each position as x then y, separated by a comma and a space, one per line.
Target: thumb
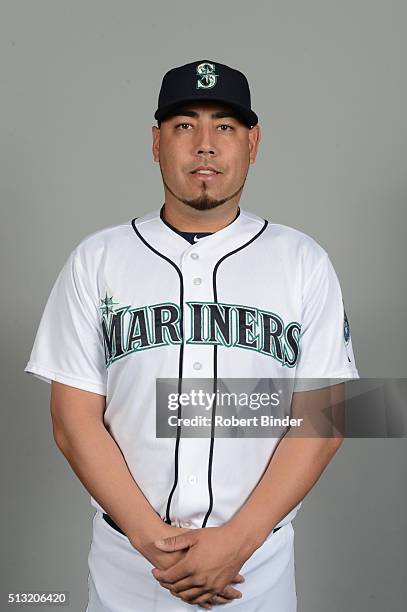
179, 542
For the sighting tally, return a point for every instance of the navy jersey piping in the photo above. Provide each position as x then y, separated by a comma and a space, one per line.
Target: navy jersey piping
180, 366
215, 369
180, 363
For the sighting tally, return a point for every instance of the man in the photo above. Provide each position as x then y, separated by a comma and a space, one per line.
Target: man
196, 289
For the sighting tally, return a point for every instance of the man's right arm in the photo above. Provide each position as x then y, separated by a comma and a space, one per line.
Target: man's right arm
81, 436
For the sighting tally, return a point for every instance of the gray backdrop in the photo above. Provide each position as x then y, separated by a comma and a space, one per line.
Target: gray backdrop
79, 85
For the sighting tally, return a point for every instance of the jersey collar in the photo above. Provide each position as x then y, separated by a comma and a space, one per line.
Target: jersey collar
156, 234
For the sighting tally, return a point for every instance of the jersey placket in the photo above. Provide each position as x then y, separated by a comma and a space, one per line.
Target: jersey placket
190, 499
192, 492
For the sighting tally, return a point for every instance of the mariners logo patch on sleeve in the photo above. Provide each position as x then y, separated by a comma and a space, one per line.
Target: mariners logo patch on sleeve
346, 328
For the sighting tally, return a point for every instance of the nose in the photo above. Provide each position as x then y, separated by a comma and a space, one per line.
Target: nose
205, 151
204, 141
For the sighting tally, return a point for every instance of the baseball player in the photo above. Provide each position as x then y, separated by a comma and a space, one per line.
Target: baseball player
197, 288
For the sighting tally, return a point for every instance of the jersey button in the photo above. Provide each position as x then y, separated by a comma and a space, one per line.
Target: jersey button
194, 255
197, 365
192, 479
197, 281
186, 524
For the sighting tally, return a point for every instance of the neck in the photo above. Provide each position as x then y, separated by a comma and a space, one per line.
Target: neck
188, 219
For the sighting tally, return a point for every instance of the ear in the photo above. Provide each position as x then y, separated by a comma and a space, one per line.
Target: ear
254, 141
156, 143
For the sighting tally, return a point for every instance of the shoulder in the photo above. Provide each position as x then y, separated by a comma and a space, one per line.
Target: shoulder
93, 249
98, 242
105, 236
290, 243
115, 238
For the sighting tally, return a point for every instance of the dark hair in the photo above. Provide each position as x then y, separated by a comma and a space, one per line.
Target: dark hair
168, 115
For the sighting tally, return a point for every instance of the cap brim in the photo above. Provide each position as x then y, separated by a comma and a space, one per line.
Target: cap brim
247, 116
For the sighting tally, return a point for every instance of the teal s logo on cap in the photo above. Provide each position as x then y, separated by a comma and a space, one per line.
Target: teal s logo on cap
206, 76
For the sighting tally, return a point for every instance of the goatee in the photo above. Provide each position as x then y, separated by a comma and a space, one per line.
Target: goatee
204, 201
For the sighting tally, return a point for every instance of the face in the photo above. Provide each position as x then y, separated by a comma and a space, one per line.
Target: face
204, 135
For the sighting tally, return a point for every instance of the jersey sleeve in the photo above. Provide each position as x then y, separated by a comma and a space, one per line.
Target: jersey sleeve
68, 346
326, 350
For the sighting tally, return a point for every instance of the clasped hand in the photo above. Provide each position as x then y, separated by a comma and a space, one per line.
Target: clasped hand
205, 572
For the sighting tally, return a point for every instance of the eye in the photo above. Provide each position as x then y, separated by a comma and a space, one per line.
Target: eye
179, 124
222, 125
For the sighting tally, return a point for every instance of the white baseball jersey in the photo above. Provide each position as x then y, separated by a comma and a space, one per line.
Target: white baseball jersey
135, 302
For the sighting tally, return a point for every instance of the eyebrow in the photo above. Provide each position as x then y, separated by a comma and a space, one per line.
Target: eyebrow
184, 112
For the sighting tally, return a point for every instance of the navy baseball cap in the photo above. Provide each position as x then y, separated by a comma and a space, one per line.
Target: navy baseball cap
205, 80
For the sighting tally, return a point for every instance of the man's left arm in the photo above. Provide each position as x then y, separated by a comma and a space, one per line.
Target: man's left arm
297, 463
218, 553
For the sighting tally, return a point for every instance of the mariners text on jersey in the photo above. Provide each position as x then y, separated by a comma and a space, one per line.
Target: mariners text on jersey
126, 329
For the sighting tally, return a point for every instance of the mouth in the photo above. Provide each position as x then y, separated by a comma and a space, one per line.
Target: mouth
206, 175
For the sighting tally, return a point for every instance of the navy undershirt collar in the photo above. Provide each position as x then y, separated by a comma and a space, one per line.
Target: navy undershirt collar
191, 237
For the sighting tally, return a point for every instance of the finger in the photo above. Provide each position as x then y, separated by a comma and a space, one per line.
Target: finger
190, 582
203, 600
219, 600
176, 572
192, 595
182, 585
238, 580
230, 593
222, 597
